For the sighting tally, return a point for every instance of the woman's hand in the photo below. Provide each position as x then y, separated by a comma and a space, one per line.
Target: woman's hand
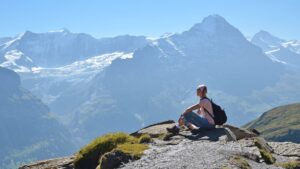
186, 111
180, 121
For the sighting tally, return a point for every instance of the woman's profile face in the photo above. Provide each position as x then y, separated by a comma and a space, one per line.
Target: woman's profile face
198, 92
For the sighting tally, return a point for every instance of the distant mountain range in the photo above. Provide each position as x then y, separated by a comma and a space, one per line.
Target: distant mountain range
97, 86
279, 124
286, 52
29, 51
28, 131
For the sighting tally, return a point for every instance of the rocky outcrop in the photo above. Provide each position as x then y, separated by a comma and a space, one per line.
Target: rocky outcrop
57, 163
286, 148
114, 159
155, 130
222, 147
240, 133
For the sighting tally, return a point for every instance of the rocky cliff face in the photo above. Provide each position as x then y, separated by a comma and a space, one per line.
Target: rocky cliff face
222, 147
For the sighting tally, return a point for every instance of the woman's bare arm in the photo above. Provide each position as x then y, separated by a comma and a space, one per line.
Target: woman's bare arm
192, 108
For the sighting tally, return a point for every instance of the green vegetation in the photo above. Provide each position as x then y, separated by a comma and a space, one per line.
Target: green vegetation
279, 124
145, 138
89, 155
122, 154
264, 152
289, 165
240, 162
268, 157
135, 150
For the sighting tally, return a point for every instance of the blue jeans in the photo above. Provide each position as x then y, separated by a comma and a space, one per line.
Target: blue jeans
197, 120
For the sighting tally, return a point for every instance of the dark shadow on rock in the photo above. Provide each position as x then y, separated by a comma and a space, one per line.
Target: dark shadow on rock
207, 134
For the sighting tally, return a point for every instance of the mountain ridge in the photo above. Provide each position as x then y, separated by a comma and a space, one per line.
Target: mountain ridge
279, 124
28, 130
279, 50
52, 49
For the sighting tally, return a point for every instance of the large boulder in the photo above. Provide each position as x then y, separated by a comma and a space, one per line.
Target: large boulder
240, 133
286, 148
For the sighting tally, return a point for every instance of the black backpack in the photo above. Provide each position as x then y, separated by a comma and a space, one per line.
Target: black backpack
219, 114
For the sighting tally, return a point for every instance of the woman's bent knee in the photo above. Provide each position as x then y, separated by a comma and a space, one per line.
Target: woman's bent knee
188, 114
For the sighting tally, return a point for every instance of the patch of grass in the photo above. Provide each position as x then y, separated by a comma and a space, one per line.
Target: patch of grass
289, 165
135, 150
145, 138
264, 152
240, 162
268, 157
89, 155
122, 154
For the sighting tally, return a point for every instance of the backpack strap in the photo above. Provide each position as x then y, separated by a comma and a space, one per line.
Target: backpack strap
207, 110
209, 113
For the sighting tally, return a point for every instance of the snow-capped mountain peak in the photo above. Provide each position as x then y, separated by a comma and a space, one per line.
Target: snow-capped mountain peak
17, 61
61, 47
279, 50
293, 45
266, 40
12, 41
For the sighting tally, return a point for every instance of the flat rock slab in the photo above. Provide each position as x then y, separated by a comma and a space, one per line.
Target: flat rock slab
57, 163
286, 148
156, 130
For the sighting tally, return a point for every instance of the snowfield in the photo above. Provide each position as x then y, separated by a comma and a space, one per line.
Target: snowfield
92, 65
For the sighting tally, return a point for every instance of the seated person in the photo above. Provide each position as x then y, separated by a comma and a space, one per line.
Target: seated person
202, 119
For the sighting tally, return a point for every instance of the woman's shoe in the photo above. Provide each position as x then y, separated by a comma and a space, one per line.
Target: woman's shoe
174, 130
195, 131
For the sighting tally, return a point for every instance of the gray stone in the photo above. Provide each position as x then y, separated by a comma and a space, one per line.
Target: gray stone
114, 159
263, 144
286, 148
57, 163
155, 130
240, 133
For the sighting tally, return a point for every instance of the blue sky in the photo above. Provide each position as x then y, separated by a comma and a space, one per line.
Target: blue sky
147, 17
